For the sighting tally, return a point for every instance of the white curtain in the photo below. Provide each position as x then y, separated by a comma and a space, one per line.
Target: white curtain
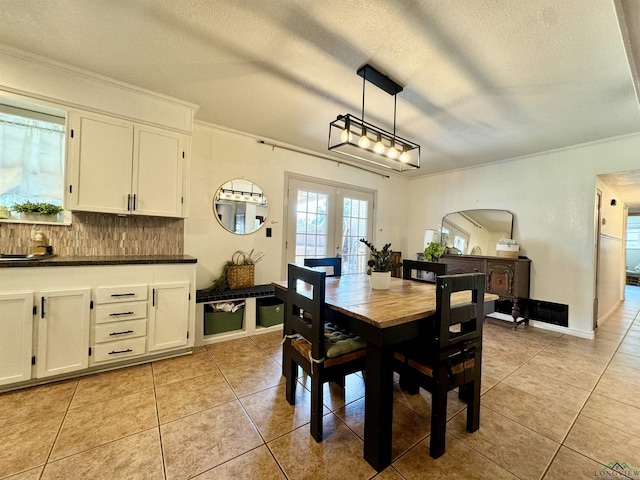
31, 160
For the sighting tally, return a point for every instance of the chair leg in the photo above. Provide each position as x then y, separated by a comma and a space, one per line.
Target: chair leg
438, 415
409, 383
316, 408
464, 392
291, 374
473, 406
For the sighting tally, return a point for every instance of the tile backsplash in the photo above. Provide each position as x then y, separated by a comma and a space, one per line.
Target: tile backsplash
100, 234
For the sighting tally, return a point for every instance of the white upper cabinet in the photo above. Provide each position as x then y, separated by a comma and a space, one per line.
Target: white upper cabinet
121, 167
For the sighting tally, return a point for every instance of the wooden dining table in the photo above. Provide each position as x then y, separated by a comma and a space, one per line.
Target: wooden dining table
384, 318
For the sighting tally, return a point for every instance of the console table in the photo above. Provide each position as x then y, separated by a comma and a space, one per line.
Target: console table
506, 277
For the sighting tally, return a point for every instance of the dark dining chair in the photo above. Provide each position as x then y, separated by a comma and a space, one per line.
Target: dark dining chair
411, 266
324, 352
335, 262
447, 355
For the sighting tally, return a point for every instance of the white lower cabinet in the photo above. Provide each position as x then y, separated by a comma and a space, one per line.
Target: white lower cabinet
63, 331
16, 337
105, 316
168, 317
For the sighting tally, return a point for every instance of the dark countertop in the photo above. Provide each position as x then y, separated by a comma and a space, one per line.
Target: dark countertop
74, 261
257, 291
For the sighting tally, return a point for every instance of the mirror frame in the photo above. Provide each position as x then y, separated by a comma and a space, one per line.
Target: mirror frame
247, 193
492, 238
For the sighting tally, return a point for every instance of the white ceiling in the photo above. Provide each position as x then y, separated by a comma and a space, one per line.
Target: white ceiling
485, 80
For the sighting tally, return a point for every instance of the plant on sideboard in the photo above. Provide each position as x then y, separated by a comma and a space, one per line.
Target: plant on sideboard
433, 252
381, 260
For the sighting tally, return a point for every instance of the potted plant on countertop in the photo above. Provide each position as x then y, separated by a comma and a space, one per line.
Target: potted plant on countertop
380, 265
38, 212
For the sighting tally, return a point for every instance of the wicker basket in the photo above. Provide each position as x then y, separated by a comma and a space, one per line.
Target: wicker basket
240, 274
506, 254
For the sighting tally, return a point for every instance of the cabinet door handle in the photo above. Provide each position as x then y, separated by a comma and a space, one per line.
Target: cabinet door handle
41, 307
134, 202
120, 313
123, 294
153, 298
120, 333
128, 202
115, 352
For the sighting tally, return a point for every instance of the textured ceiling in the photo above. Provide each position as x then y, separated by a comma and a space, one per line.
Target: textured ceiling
485, 80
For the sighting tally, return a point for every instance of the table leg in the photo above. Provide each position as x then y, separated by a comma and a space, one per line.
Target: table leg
378, 410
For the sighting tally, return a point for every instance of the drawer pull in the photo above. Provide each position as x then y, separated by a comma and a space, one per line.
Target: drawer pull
123, 294
121, 313
120, 351
120, 333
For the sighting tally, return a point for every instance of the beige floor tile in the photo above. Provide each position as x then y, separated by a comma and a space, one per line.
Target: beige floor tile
199, 442
192, 395
21, 405
273, 416
116, 383
619, 390
256, 464
615, 328
335, 397
99, 423
339, 455
183, 367
624, 360
268, 340
496, 368
594, 362
603, 443
26, 445
486, 383
622, 373
501, 440
629, 349
388, 473
421, 402
249, 378
33, 474
548, 419
561, 371
569, 465
236, 352
613, 413
548, 389
409, 428
137, 457
459, 461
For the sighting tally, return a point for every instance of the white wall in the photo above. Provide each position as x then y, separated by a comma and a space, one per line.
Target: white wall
552, 198
219, 155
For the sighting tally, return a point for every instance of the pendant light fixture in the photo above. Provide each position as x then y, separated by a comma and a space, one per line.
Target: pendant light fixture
354, 137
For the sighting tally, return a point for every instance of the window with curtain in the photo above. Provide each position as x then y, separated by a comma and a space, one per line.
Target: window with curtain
31, 157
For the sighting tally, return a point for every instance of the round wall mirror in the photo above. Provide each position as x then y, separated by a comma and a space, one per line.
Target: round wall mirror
240, 206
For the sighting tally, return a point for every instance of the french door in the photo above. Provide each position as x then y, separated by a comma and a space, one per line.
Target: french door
325, 220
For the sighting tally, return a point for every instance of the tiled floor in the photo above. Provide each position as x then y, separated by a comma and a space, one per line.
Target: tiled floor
553, 407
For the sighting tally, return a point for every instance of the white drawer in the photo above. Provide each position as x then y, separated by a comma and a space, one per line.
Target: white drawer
121, 311
109, 332
125, 293
114, 351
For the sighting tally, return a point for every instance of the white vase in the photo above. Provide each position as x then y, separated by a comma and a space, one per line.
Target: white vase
37, 217
380, 280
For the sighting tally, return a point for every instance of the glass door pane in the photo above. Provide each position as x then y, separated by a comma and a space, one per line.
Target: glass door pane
357, 210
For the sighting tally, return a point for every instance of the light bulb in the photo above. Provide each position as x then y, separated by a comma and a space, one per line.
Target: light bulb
392, 152
378, 148
344, 136
363, 142
404, 157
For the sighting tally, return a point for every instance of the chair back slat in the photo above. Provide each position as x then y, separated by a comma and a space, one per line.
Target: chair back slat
335, 262
305, 305
409, 266
467, 318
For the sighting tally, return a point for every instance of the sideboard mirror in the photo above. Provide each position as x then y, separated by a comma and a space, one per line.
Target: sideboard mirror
240, 206
476, 232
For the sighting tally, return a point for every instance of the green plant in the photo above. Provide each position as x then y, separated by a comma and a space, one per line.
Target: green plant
381, 260
433, 252
42, 208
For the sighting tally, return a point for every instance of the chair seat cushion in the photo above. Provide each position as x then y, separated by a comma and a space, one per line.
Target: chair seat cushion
338, 342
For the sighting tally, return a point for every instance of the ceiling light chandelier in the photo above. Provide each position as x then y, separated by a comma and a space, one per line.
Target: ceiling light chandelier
356, 138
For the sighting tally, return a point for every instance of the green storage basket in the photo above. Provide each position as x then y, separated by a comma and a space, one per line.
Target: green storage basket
270, 311
220, 322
